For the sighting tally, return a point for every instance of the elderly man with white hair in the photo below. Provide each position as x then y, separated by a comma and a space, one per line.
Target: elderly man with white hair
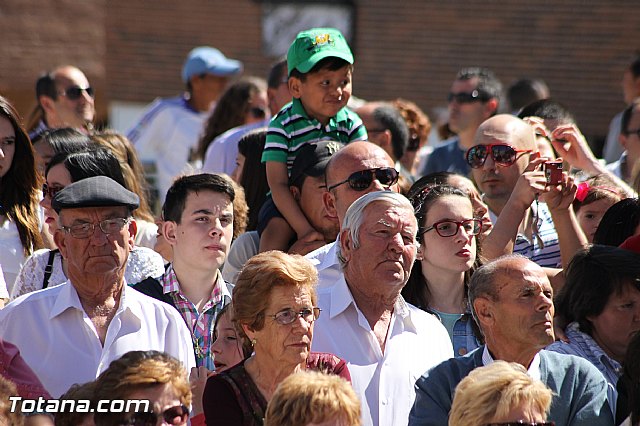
387, 343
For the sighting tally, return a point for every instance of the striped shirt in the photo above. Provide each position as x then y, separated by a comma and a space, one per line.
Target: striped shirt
292, 128
201, 325
547, 256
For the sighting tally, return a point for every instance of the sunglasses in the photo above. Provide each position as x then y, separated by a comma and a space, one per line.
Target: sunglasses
176, 415
75, 92
49, 191
258, 112
361, 181
449, 228
467, 98
632, 132
503, 155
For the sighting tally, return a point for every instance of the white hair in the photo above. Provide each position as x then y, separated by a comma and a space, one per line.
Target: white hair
355, 215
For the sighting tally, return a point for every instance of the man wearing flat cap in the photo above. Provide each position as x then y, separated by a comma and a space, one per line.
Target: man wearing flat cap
170, 128
70, 333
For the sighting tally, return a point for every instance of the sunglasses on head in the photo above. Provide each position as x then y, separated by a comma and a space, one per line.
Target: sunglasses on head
467, 98
75, 92
176, 415
360, 181
503, 155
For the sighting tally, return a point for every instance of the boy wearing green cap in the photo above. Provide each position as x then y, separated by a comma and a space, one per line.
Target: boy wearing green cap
320, 65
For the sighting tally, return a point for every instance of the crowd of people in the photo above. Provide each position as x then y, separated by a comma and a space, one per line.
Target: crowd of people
279, 252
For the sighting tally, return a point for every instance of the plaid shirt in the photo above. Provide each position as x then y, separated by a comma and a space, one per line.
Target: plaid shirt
200, 324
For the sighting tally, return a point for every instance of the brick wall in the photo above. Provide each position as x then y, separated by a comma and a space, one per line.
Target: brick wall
133, 50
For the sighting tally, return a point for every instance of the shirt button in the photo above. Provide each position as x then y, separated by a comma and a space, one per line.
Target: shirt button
462, 351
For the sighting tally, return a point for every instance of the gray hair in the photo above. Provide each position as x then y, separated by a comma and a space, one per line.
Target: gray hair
483, 280
355, 215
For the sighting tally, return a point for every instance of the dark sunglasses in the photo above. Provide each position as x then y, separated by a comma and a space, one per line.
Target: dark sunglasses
258, 112
173, 416
51, 192
360, 181
75, 92
503, 155
467, 98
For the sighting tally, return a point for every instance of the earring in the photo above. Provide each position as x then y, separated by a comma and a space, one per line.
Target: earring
253, 342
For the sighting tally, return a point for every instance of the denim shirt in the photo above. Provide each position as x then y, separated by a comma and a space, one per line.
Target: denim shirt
464, 339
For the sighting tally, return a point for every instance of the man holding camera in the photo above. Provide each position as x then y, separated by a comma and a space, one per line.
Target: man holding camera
529, 199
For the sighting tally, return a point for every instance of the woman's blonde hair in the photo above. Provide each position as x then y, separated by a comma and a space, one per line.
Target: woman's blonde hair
259, 276
491, 391
313, 397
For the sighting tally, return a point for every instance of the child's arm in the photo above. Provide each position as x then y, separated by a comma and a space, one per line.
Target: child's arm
278, 180
276, 235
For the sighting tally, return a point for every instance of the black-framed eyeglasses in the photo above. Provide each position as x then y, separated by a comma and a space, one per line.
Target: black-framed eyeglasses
360, 181
107, 226
467, 98
175, 415
49, 191
503, 154
449, 228
75, 92
633, 132
288, 316
522, 423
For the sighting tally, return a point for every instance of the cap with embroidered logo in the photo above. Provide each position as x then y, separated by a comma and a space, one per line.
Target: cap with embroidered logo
311, 46
311, 159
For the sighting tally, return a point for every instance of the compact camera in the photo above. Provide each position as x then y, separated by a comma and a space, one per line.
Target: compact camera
553, 172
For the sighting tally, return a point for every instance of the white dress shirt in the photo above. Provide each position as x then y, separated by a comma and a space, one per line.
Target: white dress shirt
325, 259
416, 341
60, 343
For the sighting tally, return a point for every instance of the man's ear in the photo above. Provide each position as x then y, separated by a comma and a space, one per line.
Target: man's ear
329, 204
346, 244
491, 107
58, 238
623, 140
295, 87
48, 104
169, 231
484, 311
295, 192
133, 231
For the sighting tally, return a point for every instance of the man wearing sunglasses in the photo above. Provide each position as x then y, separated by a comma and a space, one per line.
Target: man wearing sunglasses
385, 341
475, 96
65, 99
511, 299
170, 128
71, 332
357, 169
630, 141
529, 215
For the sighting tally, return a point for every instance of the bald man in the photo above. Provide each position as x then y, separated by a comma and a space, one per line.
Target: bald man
512, 302
530, 215
357, 169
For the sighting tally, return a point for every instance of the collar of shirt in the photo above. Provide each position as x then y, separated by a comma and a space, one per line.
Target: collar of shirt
533, 371
590, 346
170, 284
68, 299
298, 109
341, 299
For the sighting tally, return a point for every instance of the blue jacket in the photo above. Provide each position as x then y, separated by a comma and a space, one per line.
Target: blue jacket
579, 390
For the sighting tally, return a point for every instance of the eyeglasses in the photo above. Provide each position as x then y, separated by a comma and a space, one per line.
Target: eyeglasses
258, 112
360, 181
75, 92
449, 228
503, 155
51, 192
633, 132
467, 98
176, 415
522, 423
107, 226
287, 316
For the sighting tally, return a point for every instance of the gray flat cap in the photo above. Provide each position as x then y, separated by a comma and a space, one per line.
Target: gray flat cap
97, 191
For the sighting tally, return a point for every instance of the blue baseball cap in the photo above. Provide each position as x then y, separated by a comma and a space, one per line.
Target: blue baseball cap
209, 60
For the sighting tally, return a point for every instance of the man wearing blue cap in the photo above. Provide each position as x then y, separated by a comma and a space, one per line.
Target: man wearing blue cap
170, 128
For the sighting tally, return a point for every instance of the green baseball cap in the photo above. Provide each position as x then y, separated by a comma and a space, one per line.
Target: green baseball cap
311, 46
